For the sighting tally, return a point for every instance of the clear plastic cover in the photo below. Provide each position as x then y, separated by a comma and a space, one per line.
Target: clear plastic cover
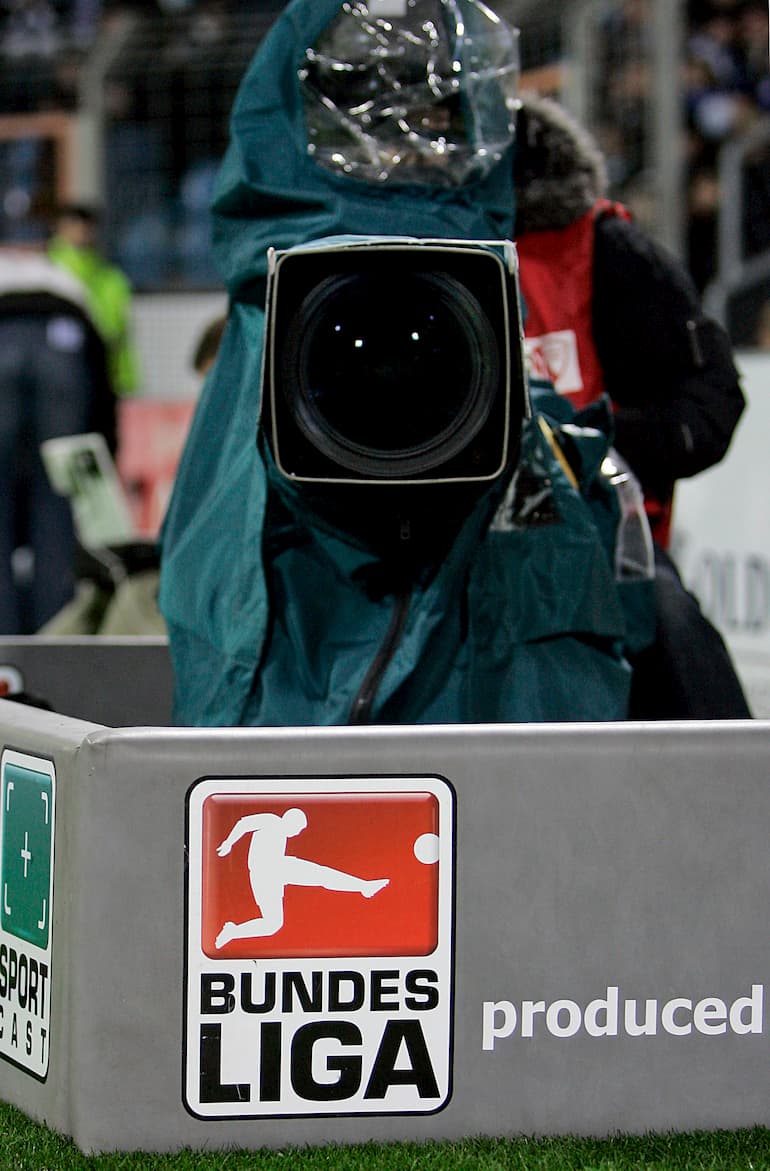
634, 553
426, 95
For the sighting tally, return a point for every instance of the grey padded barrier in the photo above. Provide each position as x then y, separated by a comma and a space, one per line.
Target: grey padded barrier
117, 681
564, 929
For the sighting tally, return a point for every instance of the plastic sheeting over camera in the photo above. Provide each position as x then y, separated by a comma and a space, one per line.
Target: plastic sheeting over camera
412, 91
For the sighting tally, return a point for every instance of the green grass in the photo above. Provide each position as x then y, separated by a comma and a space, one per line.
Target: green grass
27, 1146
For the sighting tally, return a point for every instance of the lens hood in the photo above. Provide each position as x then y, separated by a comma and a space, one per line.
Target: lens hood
392, 362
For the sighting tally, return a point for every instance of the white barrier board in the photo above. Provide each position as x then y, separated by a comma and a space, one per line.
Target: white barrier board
722, 537
281, 937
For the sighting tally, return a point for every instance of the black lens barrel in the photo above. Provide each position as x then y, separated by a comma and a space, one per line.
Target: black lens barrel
391, 364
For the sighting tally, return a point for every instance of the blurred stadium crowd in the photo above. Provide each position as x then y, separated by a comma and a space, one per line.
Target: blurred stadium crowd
725, 85
158, 78
726, 90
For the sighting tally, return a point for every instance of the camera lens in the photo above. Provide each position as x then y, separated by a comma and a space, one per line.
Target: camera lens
390, 378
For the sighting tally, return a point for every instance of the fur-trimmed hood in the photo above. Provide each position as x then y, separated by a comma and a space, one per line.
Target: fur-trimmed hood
559, 170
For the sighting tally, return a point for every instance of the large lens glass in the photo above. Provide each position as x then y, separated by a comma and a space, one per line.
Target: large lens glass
391, 379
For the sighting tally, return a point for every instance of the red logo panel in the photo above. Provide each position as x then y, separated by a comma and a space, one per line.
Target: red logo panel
328, 874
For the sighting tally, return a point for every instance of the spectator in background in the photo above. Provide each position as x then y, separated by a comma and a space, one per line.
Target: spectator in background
28, 28
726, 89
622, 77
74, 247
53, 379
752, 50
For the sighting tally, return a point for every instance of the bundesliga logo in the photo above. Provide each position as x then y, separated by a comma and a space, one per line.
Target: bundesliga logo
319, 946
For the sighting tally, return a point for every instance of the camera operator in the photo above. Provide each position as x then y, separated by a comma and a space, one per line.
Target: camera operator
615, 313
370, 523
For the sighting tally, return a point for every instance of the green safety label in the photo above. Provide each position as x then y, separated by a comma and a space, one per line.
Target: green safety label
27, 854
27, 824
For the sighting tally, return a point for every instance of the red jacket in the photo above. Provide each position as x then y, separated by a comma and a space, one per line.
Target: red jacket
556, 274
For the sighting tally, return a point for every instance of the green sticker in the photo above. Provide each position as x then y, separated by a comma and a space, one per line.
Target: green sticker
27, 849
